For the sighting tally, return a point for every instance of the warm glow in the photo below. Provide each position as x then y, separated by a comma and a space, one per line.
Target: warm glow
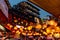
17, 32
52, 22
15, 20
29, 34
21, 29
15, 28
29, 27
57, 29
48, 30
44, 26
13, 31
18, 26
53, 30
45, 33
38, 26
37, 33
57, 35
23, 33
10, 26
25, 28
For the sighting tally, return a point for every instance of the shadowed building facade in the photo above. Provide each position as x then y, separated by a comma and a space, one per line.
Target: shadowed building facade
26, 13
3, 11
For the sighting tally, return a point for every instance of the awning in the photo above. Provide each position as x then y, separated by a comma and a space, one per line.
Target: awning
51, 6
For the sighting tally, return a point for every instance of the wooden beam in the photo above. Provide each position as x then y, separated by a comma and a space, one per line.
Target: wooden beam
51, 6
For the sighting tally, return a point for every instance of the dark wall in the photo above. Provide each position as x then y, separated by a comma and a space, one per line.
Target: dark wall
2, 17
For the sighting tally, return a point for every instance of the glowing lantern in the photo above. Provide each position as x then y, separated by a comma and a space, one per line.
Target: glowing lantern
44, 26
37, 33
25, 28
29, 27
21, 29
45, 33
15, 20
17, 32
57, 29
52, 22
53, 30
24, 33
29, 34
15, 28
18, 26
57, 35
48, 30
10, 26
38, 26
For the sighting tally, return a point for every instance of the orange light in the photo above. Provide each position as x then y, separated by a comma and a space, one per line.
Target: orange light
44, 26
10, 26
29, 27
21, 29
13, 31
29, 34
40, 34
37, 33
38, 26
48, 30
52, 22
57, 35
31, 23
45, 33
17, 32
57, 29
24, 33
25, 28
53, 30
34, 34
15, 20
15, 28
